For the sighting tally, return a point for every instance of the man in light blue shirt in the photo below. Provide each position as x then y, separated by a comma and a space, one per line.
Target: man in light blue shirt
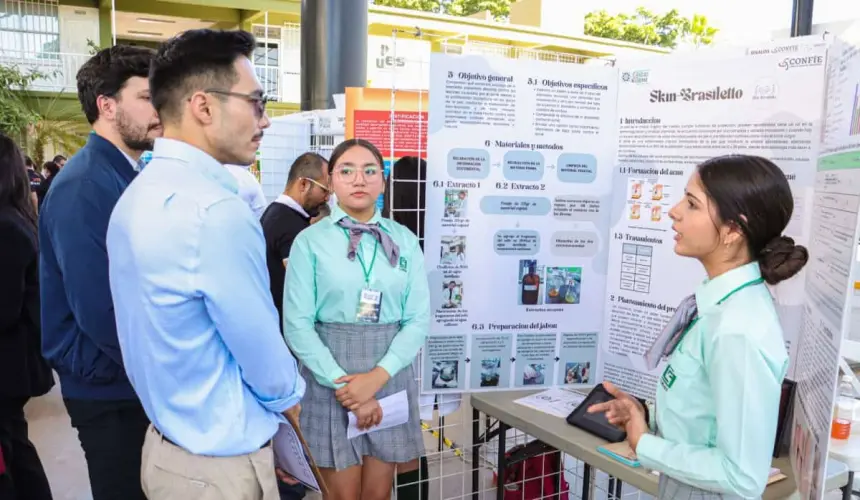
197, 328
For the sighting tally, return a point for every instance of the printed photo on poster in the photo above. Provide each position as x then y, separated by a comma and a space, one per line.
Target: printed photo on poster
534, 374
578, 355
577, 373
456, 204
530, 283
452, 251
452, 294
490, 364
563, 285
490, 372
446, 374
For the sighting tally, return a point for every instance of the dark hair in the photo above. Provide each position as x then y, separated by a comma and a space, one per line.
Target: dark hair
753, 194
29, 163
14, 182
107, 72
51, 167
59, 158
306, 165
348, 144
194, 61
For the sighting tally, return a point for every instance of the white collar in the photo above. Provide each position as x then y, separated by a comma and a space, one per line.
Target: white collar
285, 199
135, 165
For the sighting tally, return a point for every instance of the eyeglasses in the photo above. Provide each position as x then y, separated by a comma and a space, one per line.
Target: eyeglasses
348, 174
317, 184
258, 100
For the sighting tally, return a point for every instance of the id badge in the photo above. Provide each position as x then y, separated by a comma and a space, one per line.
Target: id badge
369, 304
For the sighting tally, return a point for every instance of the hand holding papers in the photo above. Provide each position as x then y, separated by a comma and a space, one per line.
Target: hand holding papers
292, 455
395, 411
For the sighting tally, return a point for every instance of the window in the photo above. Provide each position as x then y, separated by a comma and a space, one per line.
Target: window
29, 29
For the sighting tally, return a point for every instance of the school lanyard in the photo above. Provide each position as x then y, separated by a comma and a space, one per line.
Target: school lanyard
366, 270
719, 302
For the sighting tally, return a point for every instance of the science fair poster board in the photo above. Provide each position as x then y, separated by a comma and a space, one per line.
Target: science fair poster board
673, 116
829, 278
549, 247
395, 122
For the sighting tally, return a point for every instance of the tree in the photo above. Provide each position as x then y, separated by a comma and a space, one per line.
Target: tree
423, 5
15, 115
646, 27
54, 125
500, 9
35, 122
700, 32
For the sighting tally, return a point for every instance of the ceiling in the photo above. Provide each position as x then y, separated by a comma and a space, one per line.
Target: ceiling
152, 27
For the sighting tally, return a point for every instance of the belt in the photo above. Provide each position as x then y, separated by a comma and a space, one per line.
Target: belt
165, 438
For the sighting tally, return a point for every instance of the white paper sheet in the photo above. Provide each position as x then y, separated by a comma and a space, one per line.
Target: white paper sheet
556, 401
290, 456
395, 411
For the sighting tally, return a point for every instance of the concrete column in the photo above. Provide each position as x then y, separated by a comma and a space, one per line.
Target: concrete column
334, 49
801, 18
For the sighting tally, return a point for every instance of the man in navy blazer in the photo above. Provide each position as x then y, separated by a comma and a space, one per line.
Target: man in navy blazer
78, 326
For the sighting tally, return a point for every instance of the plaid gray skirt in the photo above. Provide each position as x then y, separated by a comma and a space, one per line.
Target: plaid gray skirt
672, 489
357, 348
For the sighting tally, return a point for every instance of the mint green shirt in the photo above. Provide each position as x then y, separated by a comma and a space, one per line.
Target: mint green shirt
718, 398
322, 285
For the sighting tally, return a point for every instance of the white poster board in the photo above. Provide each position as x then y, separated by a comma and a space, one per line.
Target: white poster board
829, 279
548, 243
673, 116
517, 207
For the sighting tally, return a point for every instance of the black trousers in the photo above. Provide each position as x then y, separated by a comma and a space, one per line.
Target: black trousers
25, 478
111, 434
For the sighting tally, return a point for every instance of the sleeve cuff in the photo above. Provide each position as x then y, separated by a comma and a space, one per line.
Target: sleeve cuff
648, 451
390, 364
284, 404
329, 381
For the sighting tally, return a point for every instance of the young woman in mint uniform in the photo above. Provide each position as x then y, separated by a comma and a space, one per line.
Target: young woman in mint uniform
711, 432
356, 312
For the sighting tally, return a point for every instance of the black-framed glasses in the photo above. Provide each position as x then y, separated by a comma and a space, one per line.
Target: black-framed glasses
258, 100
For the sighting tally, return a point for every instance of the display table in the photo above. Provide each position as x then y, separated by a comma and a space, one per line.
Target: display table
847, 451
557, 434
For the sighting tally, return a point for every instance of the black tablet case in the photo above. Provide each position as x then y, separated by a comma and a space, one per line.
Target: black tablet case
596, 423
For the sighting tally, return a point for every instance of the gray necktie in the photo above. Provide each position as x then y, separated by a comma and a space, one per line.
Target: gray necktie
668, 339
356, 229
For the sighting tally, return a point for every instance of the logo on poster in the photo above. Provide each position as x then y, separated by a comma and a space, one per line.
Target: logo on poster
765, 89
386, 61
638, 76
801, 62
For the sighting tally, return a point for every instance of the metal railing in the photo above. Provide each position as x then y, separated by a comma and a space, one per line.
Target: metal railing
58, 70
512, 52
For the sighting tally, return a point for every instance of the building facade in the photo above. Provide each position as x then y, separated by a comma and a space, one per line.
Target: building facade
55, 37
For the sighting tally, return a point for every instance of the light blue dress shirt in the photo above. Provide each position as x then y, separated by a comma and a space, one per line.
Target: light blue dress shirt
718, 398
323, 285
196, 323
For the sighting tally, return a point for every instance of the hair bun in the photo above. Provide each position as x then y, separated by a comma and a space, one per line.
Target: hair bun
781, 259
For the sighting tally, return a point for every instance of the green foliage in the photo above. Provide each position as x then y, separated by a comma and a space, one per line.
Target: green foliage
61, 128
92, 47
500, 9
37, 122
646, 27
15, 115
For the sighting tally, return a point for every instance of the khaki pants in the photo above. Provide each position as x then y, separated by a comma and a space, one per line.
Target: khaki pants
168, 472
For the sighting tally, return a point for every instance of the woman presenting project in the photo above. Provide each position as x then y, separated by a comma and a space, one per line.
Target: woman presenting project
356, 312
712, 429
